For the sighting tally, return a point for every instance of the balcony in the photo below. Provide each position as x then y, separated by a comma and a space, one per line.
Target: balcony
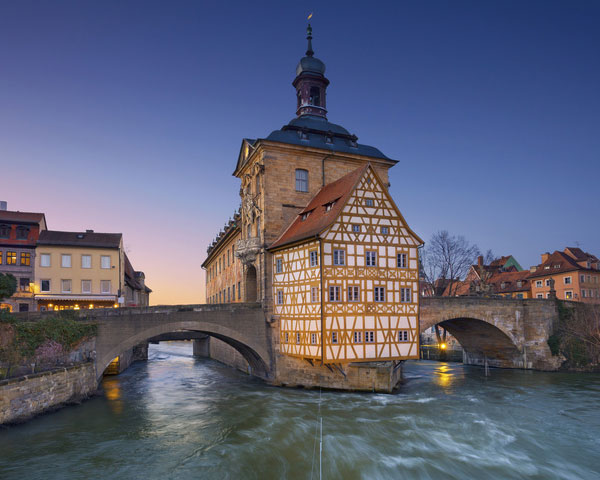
247, 249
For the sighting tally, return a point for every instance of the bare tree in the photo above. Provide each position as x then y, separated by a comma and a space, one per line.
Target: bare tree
447, 258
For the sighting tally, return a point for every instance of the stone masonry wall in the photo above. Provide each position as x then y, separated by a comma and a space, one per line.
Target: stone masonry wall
24, 397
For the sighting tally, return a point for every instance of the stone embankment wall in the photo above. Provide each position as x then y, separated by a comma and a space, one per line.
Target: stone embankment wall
24, 397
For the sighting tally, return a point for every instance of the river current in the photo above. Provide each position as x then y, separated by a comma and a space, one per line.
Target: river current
177, 417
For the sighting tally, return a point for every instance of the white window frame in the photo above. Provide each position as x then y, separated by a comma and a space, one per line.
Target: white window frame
45, 256
335, 293
370, 258
405, 295
403, 336
339, 257
63, 260
62, 286
540, 295
86, 291
314, 258
568, 294
539, 284
102, 284
90, 261
314, 294
379, 294
313, 338
369, 336
357, 336
278, 265
102, 261
279, 297
301, 177
353, 293
401, 260
568, 280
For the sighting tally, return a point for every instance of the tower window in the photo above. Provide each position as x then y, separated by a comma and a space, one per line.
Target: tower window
315, 96
301, 180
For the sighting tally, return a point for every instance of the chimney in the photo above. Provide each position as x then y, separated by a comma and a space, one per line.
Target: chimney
533, 269
480, 261
3, 205
545, 256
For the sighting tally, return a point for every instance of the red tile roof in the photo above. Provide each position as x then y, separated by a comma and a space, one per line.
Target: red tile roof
511, 282
558, 262
318, 217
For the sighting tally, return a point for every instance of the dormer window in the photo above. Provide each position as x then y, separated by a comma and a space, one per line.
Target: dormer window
22, 233
329, 206
503, 285
547, 267
557, 265
519, 284
305, 215
315, 96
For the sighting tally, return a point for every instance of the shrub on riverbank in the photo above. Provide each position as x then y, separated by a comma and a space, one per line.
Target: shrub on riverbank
577, 336
42, 344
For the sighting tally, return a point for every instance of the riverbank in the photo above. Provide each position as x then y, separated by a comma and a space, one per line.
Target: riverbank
24, 397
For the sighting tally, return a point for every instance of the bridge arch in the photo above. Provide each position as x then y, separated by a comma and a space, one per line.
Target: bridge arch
242, 327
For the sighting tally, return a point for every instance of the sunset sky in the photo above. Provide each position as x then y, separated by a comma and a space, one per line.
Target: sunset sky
127, 116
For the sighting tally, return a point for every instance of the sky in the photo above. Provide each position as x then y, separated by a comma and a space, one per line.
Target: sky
127, 116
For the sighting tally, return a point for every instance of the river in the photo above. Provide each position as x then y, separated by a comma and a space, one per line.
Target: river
177, 417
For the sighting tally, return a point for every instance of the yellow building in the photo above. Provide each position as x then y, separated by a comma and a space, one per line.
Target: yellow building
345, 279
77, 270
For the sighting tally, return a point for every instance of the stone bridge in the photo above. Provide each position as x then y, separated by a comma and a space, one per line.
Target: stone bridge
509, 333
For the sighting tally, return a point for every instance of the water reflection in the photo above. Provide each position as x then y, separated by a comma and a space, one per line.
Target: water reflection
112, 392
444, 376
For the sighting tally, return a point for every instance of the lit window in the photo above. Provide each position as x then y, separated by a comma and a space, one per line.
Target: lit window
301, 180
369, 202
278, 265
105, 261
356, 228
11, 258
369, 337
104, 286
86, 286
45, 286
357, 337
86, 261
353, 294
385, 230
401, 260
279, 297
380, 294
405, 294
338, 257
569, 295
314, 294
334, 337
25, 258
65, 286
371, 258
24, 284
334, 293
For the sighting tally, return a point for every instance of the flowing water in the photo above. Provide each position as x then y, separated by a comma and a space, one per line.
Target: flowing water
176, 417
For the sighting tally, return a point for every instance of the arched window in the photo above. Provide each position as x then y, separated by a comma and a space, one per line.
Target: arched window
315, 96
249, 230
301, 180
257, 186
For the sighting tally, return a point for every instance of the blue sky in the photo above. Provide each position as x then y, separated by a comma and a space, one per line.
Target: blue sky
128, 116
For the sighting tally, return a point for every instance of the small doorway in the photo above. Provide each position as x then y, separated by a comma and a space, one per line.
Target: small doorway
251, 290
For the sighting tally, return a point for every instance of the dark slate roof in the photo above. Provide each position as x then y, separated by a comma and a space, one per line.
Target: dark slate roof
317, 130
80, 239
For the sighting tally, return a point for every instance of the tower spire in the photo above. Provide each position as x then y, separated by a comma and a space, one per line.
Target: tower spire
309, 51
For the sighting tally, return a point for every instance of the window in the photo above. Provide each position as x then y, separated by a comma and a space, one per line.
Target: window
301, 180
314, 294
229, 294
380, 294
405, 294
313, 338
11, 258
329, 206
104, 286
540, 295
582, 278
338, 257
371, 258
257, 185
583, 293
239, 291
402, 335
287, 337
86, 261
24, 284
357, 337
0, 258
314, 258
356, 228
279, 265
569, 295
519, 283
22, 233
257, 227
45, 286
65, 286
369, 202
401, 260
279, 297
370, 336
4, 231
25, 258
547, 282
298, 338
385, 230
228, 258
65, 260
86, 286
315, 96
233, 292
104, 261
567, 280
353, 294
305, 215
334, 337
334, 293
519, 295
538, 283
249, 234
